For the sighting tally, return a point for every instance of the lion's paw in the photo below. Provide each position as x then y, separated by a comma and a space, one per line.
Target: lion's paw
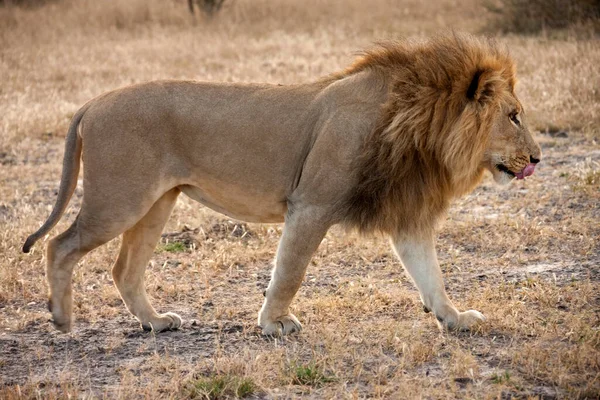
165, 322
281, 326
467, 320
60, 320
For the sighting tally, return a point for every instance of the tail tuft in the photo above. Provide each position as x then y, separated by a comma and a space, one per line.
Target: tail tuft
28, 243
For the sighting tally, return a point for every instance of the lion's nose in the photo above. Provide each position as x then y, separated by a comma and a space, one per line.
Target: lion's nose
534, 160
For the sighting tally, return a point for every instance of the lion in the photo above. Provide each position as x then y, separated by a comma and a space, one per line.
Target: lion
383, 146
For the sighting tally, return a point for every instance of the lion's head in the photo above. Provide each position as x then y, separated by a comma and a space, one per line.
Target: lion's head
511, 151
451, 113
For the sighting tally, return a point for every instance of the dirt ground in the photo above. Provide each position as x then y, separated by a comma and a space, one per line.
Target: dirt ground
526, 255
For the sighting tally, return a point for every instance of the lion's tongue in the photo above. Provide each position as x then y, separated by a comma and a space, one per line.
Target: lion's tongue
527, 171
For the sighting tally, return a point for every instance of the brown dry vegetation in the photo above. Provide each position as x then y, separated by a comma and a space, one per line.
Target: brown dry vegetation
526, 255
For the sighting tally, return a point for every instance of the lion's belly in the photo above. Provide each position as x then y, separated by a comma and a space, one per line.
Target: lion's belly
238, 204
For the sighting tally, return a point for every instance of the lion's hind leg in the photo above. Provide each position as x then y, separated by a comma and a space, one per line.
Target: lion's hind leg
128, 272
62, 254
88, 231
103, 216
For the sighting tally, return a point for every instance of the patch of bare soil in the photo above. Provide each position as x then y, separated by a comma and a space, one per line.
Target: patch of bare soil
95, 357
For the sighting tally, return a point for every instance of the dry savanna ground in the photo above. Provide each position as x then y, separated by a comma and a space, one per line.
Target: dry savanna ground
525, 255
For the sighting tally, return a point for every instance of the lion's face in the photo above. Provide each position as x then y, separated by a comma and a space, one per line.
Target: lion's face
512, 152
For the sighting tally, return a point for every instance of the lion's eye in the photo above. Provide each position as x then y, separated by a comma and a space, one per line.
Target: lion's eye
514, 117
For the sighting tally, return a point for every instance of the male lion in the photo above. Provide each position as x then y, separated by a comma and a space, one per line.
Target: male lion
382, 146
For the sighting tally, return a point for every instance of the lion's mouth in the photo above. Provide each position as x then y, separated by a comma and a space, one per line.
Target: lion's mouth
525, 172
504, 168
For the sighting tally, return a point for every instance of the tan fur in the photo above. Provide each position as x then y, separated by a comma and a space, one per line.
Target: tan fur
384, 145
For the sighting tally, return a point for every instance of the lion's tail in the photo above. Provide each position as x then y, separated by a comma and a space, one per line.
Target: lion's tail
68, 181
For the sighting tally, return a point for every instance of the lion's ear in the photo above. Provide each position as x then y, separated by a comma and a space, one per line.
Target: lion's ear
483, 85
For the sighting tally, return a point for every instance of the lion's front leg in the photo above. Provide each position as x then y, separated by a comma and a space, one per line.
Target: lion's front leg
302, 234
419, 258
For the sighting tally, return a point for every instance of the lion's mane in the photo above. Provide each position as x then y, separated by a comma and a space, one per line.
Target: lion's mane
432, 132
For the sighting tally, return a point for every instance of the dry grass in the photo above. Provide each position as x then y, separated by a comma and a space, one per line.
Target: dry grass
534, 16
527, 256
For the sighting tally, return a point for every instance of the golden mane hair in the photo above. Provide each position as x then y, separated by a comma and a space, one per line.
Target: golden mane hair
432, 132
